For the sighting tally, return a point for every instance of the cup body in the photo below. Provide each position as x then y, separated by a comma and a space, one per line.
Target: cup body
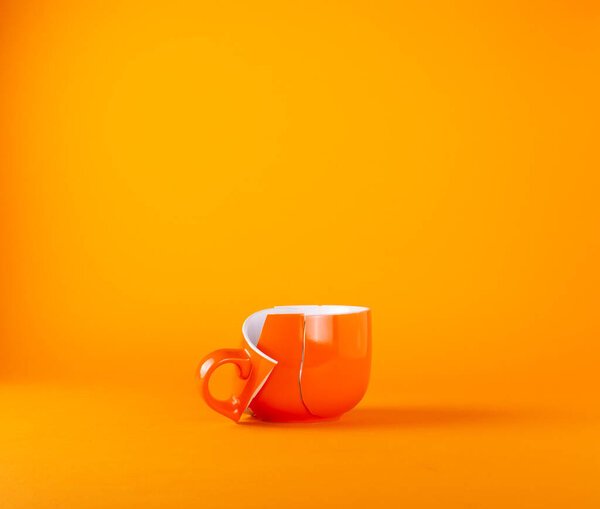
314, 363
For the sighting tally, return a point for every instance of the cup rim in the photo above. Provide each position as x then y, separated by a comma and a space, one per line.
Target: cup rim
253, 325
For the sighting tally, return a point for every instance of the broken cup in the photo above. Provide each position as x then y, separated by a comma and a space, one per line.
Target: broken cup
296, 364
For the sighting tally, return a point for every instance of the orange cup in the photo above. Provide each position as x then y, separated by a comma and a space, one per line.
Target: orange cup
296, 364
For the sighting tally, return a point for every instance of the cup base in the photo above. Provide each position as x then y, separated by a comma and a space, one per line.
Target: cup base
310, 420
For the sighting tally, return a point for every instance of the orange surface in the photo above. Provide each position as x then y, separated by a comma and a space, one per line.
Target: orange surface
168, 169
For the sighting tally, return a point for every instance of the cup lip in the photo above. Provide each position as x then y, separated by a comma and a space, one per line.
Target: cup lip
321, 310
306, 310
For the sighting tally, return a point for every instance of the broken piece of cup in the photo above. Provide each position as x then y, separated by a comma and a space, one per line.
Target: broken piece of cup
296, 364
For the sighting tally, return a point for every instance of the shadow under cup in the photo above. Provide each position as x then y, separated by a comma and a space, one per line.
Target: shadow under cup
297, 364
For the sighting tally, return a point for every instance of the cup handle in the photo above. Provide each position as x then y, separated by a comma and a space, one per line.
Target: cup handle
231, 407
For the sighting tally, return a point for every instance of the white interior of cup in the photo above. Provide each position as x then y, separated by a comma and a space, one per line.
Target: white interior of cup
254, 323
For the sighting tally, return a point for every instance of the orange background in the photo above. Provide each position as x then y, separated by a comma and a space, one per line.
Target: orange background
169, 168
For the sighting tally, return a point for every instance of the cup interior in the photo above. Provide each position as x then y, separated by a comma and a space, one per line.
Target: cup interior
253, 325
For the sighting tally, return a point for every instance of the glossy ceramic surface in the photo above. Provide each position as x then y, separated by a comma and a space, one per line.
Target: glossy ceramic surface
296, 364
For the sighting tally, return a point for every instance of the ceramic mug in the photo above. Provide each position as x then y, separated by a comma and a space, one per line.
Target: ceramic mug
296, 364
